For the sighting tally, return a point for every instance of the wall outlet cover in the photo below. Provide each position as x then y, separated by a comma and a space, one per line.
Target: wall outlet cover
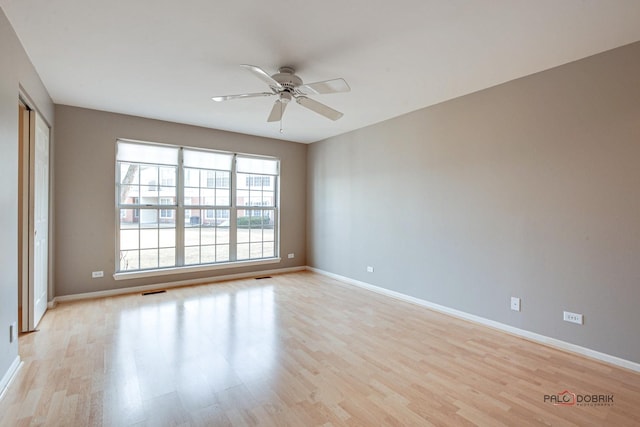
572, 317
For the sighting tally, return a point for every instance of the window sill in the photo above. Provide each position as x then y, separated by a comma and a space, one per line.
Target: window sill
192, 269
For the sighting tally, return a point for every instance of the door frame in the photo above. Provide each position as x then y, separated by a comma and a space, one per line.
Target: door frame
26, 219
23, 212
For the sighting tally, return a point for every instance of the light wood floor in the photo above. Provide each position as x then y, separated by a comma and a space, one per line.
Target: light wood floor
300, 350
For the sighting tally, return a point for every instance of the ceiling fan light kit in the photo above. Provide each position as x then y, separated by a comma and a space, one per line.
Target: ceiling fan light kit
287, 86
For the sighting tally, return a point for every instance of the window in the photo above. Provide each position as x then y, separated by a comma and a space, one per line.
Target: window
209, 207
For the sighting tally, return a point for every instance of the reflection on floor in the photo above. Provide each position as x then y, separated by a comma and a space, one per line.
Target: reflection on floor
297, 349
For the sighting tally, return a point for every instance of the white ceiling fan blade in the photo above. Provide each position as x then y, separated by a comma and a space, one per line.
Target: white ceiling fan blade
327, 86
243, 95
277, 111
319, 108
262, 75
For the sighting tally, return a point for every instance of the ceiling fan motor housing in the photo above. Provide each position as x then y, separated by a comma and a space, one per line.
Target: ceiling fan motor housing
287, 78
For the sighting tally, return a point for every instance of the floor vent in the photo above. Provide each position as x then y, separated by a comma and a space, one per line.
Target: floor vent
263, 277
159, 291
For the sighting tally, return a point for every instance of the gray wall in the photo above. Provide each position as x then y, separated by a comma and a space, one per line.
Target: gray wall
85, 194
15, 71
528, 189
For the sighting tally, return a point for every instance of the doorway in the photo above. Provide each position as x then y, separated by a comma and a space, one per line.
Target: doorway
33, 217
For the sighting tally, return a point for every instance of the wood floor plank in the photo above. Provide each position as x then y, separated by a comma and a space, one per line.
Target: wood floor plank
295, 350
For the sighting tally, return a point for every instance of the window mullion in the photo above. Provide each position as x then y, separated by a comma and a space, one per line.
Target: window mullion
276, 213
180, 221
233, 217
118, 217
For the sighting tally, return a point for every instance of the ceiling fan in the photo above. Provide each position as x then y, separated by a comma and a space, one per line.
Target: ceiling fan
287, 86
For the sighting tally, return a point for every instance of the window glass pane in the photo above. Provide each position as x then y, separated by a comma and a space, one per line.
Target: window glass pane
207, 179
148, 258
222, 179
268, 198
222, 233
207, 159
148, 181
191, 196
148, 218
268, 250
242, 198
192, 236
269, 185
128, 193
167, 237
192, 255
129, 218
268, 234
222, 253
208, 254
191, 177
149, 238
193, 218
167, 257
207, 196
208, 235
167, 177
129, 239
255, 250
243, 251
222, 216
223, 198
129, 260
257, 165
129, 173
255, 233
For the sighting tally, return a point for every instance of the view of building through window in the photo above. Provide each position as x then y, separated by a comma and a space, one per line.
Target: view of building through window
182, 206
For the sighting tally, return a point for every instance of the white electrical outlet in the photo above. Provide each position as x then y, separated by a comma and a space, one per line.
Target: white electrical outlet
96, 274
291, 255
572, 317
369, 269
515, 304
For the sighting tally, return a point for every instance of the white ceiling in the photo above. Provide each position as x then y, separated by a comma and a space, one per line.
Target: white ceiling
165, 59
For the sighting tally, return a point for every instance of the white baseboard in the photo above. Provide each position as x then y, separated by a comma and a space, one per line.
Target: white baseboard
167, 285
542, 339
9, 375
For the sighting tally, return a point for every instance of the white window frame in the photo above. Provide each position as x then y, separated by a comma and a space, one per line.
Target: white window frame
178, 210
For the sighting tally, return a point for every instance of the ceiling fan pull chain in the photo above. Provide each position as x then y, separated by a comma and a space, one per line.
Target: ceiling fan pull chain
281, 115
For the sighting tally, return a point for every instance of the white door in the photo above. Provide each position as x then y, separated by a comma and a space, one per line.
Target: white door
39, 197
